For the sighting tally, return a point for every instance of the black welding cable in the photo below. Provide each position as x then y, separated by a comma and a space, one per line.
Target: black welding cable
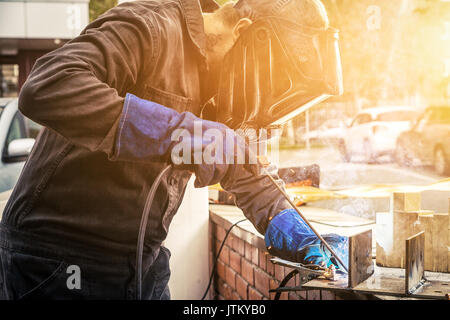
218, 254
142, 229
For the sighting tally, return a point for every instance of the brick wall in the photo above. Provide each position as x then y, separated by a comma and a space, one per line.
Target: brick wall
244, 270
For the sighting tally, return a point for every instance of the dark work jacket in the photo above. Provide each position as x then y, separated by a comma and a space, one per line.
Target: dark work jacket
71, 190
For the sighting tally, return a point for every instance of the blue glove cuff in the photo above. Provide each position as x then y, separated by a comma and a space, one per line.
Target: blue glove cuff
144, 130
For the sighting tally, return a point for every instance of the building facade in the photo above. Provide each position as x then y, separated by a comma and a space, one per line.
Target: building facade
31, 28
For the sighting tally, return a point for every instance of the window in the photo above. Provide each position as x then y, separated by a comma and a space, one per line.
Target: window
397, 116
9, 80
440, 115
32, 128
362, 119
15, 130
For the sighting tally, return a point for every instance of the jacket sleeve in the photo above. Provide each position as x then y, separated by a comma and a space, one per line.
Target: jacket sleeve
256, 196
78, 90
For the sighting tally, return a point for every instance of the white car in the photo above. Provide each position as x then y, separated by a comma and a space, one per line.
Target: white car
331, 130
17, 135
374, 132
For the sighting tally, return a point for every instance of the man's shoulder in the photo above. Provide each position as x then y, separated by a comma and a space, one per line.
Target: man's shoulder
161, 13
143, 7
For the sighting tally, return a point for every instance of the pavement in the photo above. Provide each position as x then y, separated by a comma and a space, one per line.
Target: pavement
338, 175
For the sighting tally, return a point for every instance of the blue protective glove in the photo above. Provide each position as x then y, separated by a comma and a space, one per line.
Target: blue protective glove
149, 132
289, 237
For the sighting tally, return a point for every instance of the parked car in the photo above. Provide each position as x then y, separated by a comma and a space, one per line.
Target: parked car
17, 136
428, 142
330, 131
373, 132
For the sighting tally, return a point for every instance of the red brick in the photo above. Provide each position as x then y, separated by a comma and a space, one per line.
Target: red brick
221, 286
261, 281
313, 294
230, 277
262, 259
248, 251
221, 270
235, 296
269, 265
255, 256
235, 261
273, 284
241, 287
291, 282
303, 294
284, 296
225, 290
253, 294
220, 233
247, 271
327, 295
224, 255
230, 240
293, 296
239, 246
211, 261
279, 272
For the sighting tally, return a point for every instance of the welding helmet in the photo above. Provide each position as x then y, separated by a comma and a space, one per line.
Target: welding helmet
276, 70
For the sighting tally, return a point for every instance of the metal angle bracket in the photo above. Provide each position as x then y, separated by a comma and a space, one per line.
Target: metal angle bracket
414, 270
360, 262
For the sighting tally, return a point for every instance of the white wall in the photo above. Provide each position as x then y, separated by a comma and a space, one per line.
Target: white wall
43, 18
188, 243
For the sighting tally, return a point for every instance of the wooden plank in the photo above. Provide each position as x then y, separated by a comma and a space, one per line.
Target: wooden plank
426, 225
360, 263
405, 201
414, 271
403, 229
440, 238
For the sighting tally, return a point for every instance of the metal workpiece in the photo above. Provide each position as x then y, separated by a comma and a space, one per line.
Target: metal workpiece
415, 270
360, 261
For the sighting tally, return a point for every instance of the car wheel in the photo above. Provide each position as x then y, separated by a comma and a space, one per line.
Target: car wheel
441, 165
343, 151
401, 156
368, 152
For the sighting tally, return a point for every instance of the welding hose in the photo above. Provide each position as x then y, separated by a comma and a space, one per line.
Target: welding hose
143, 228
213, 270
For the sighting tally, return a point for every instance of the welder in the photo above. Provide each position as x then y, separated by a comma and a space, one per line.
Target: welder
110, 101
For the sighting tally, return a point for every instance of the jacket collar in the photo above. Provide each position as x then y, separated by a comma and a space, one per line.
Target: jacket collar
194, 21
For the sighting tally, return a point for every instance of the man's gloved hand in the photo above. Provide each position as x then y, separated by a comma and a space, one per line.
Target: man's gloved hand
150, 132
289, 237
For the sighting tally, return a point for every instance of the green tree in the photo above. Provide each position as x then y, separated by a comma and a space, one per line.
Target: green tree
98, 7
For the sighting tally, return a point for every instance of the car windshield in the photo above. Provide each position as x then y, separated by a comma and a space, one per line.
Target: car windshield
445, 115
397, 116
440, 115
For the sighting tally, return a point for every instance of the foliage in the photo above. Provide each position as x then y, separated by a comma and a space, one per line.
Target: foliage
98, 7
395, 53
